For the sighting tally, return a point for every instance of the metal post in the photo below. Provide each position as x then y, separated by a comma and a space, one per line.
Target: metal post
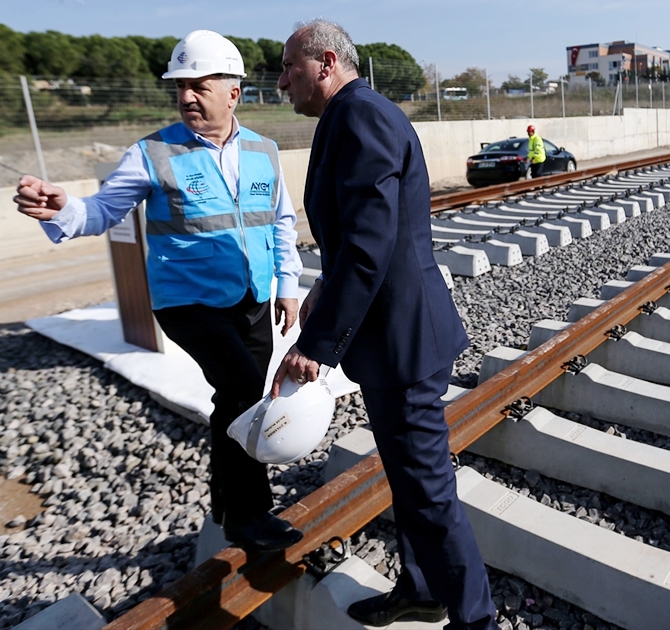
563, 97
591, 96
651, 96
532, 105
488, 98
637, 90
33, 127
438, 95
663, 92
616, 98
372, 75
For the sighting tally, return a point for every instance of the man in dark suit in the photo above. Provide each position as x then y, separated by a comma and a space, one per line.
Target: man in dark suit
383, 310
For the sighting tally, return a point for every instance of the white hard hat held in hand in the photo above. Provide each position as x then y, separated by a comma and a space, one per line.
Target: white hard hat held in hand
289, 427
202, 53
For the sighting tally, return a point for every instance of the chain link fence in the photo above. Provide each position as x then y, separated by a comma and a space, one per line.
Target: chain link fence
128, 109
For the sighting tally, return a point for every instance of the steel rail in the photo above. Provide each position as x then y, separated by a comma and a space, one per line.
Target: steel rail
231, 585
440, 203
480, 409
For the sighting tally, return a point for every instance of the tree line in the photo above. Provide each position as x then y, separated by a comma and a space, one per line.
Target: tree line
394, 71
58, 55
475, 79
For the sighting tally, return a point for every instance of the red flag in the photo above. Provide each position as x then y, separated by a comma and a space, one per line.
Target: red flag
574, 53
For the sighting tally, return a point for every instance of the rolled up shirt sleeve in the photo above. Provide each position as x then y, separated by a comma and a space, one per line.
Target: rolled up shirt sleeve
123, 190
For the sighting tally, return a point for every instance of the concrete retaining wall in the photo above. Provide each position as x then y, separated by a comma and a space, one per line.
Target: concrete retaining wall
447, 145
20, 235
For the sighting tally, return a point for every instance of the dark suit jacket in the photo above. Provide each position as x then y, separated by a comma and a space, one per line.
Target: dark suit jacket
385, 311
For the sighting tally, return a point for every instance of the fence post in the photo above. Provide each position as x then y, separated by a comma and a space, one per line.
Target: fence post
616, 98
437, 95
591, 96
637, 91
562, 97
488, 98
33, 127
372, 76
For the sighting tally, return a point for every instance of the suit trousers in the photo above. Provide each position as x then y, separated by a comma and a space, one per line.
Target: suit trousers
438, 552
233, 347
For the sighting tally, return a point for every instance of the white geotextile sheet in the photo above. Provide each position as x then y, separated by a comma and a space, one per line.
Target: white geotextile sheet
171, 377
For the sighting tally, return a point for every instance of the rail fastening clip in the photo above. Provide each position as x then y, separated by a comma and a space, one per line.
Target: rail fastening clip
325, 558
519, 408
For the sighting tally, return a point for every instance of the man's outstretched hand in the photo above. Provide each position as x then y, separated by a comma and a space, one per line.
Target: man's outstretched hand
39, 199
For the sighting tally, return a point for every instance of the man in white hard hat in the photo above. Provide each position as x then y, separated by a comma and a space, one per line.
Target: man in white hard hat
219, 224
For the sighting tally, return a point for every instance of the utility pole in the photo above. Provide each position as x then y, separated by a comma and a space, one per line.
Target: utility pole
532, 105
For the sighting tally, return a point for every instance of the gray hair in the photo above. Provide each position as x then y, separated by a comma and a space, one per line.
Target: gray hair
230, 80
321, 35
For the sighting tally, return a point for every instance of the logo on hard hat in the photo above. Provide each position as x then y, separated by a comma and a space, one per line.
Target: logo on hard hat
182, 57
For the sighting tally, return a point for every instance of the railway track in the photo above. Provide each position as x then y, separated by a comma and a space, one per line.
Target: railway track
483, 421
493, 419
349, 501
474, 230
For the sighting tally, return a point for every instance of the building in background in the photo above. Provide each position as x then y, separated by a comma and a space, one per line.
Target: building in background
616, 58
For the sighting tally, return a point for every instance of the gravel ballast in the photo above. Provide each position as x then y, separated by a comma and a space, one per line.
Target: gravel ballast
125, 480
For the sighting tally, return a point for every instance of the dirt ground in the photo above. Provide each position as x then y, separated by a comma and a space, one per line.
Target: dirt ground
16, 500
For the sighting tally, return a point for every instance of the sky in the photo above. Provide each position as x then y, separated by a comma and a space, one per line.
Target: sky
504, 37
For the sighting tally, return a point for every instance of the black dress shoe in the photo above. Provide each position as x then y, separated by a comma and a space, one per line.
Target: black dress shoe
263, 533
381, 610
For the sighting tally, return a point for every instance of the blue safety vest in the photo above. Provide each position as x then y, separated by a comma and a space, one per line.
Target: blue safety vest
205, 246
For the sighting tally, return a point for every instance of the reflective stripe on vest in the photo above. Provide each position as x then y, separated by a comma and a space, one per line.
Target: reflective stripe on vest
160, 152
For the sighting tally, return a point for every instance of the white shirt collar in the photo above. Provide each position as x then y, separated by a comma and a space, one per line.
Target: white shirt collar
233, 136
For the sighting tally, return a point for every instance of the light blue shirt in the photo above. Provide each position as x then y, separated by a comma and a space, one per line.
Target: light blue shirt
130, 184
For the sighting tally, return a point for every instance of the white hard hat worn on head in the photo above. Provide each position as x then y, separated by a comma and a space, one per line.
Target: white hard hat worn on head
201, 53
288, 428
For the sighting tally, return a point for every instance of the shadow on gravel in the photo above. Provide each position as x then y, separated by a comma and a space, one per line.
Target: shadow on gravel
143, 577
23, 349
